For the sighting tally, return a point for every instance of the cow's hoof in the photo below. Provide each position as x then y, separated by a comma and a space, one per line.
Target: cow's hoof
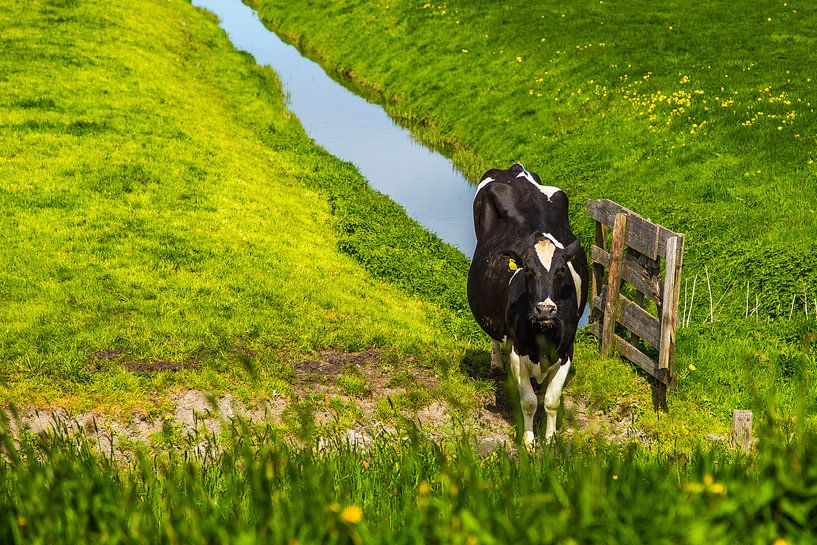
529, 440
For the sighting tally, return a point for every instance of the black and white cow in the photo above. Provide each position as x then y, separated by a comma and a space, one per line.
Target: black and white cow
527, 285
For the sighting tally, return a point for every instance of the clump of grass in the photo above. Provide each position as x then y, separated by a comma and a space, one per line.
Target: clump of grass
353, 383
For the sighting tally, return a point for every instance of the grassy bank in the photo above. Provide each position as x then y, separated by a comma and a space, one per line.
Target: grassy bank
701, 118
259, 489
162, 210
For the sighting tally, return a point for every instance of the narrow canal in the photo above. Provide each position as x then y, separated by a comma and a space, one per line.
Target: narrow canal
432, 191
424, 182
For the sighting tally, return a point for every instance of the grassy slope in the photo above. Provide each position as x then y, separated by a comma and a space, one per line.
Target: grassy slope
159, 204
698, 117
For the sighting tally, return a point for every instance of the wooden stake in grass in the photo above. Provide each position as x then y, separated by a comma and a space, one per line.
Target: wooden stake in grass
709, 286
791, 312
742, 429
747, 300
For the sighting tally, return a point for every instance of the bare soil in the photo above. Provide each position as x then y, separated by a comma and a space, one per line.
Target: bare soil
196, 413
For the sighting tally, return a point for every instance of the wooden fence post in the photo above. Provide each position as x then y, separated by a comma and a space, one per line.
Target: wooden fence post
669, 308
742, 429
613, 283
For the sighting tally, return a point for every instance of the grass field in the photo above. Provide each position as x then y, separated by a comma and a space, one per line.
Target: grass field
701, 118
160, 207
168, 226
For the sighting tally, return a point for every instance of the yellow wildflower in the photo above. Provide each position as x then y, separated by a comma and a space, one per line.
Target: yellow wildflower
352, 514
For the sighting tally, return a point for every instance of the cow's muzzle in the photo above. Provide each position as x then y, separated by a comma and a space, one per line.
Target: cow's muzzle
545, 313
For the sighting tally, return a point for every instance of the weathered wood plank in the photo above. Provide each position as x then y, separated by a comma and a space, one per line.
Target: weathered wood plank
643, 235
636, 319
613, 283
631, 273
669, 310
597, 270
630, 352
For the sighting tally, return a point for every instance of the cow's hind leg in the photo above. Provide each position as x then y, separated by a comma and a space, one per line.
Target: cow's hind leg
527, 397
553, 396
496, 356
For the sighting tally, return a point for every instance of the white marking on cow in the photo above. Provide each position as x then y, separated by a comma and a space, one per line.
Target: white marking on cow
544, 251
527, 175
548, 190
517, 271
527, 397
548, 302
482, 184
554, 241
577, 282
553, 396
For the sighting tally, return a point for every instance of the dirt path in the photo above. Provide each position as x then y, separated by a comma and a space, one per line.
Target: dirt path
323, 383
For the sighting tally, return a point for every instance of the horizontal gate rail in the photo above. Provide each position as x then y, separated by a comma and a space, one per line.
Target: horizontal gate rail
637, 248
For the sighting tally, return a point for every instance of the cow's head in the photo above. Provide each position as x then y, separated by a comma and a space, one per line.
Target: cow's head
551, 283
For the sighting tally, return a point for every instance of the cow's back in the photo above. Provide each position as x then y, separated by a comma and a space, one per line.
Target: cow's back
510, 208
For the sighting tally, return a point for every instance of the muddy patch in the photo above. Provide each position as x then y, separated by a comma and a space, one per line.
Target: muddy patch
355, 396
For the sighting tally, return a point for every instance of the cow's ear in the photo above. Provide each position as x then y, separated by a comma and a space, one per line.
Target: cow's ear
573, 249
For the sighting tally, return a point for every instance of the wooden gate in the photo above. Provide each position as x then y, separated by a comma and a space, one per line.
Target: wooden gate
650, 318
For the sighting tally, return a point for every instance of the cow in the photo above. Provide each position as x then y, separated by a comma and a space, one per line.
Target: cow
527, 285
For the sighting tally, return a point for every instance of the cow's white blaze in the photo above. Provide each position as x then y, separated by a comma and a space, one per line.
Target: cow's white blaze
544, 251
553, 397
548, 303
554, 241
577, 282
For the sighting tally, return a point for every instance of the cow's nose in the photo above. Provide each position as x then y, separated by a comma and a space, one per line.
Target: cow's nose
545, 311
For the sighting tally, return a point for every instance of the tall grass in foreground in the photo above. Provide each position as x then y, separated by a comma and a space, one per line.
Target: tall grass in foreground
257, 487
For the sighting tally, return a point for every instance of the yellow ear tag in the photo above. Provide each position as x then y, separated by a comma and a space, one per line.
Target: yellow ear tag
512, 264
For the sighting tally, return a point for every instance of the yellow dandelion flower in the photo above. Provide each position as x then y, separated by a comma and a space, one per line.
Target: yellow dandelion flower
424, 488
518, 59
717, 488
692, 367
352, 514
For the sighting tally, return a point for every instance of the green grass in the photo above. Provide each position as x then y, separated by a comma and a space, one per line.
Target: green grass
404, 488
656, 107
161, 206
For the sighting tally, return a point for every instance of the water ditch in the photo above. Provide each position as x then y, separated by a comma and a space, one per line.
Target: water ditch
432, 191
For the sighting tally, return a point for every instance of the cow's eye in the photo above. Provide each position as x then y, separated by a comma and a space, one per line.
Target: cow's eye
566, 292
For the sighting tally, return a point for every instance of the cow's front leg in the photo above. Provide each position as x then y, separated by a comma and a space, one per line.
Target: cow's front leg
553, 396
496, 356
527, 397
